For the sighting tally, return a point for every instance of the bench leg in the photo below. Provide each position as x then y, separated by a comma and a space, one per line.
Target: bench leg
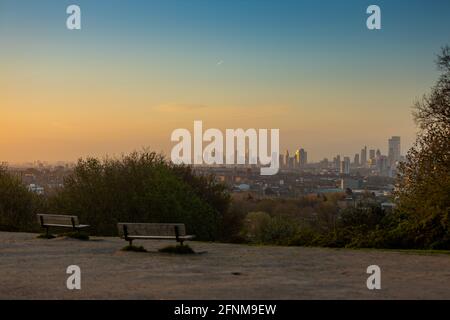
131, 242
46, 232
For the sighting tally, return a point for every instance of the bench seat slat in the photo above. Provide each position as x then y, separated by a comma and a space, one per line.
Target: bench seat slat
188, 237
154, 229
65, 225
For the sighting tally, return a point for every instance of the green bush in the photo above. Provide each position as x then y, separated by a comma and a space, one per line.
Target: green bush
431, 232
260, 227
232, 224
18, 206
141, 187
305, 236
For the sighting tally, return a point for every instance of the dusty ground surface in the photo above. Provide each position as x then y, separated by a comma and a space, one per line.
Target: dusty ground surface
33, 268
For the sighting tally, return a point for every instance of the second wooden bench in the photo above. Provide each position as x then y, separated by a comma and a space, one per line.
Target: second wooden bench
153, 231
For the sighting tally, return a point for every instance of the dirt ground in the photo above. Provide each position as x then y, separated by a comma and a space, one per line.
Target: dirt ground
32, 268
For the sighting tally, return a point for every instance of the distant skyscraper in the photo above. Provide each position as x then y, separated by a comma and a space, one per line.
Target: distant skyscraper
347, 161
356, 160
324, 163
382, 165
378, 154
337, 162
286, 159
364, 156
345, 166
371, 154
303, 157
291, 162
394, 150
297, 158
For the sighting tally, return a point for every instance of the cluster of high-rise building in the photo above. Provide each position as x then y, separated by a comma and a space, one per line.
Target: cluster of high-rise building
371, 159
298, 160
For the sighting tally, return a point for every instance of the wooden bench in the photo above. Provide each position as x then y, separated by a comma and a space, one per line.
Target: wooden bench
153, 231
61, 221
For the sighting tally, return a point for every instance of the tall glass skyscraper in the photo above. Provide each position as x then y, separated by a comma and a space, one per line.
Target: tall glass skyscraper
394, 150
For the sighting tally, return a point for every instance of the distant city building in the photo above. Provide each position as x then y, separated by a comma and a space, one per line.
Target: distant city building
378, 154
351, 183
364, 156
303, 157
291, 163
297, 158
345, 166
371, 154
356, 160
324, 164
382, 165
36, 188
243, 187
394, 152
286, 159
337, 162
281, 160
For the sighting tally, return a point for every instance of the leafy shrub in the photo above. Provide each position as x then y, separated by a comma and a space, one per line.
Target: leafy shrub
141, 187
18, 206
260, 227
305, 236
232, 224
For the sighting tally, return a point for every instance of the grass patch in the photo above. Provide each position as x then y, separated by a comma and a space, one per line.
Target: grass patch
76, 235
46, 236
134, 248
178, 249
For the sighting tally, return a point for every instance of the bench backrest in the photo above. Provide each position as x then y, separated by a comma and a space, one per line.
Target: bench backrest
45, 219
152, 229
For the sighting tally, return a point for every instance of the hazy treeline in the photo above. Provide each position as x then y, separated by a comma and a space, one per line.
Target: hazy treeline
320, 221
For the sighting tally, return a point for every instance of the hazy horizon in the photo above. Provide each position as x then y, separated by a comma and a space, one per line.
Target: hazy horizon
137, 70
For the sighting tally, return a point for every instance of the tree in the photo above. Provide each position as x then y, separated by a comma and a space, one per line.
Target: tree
423, 192
141, 187
18, 206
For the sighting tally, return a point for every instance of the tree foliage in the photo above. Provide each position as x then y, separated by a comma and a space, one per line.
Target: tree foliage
423, 192
18, 206
141, 187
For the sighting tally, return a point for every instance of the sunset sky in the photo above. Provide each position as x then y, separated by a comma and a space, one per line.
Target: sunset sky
140, 69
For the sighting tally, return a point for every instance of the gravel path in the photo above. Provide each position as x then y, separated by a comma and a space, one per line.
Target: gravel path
32, 268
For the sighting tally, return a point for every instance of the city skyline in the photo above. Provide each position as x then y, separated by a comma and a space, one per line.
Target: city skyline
136, 72
299, 156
